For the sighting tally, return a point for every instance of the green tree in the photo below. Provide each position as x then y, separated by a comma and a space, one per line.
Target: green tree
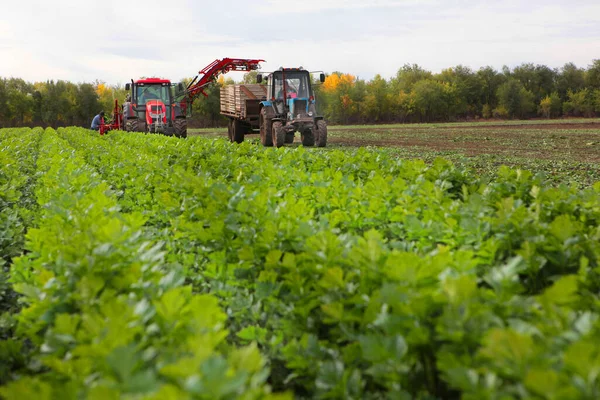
430, 99
408, 76
4, 112
55, 103
489, 81
20, 106
579, 104
357, 93
538, 79
550, 106
515, 99
592, 76
596, 100
87, 104
467, 90
376, 103
19, 102
250, 77
570, 78
401, 106
206, 111
107, 94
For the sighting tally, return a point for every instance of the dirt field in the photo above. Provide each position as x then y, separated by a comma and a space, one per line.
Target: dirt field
576, 142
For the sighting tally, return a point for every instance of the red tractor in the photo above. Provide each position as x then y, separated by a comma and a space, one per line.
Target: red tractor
151, 107
157, 106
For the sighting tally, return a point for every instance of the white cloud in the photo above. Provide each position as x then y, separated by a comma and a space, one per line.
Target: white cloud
307, 6
114, 41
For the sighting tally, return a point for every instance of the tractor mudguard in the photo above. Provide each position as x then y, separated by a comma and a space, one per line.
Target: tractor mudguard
177, 111
128, 111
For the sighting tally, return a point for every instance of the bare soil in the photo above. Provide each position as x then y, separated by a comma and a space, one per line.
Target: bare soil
576, 142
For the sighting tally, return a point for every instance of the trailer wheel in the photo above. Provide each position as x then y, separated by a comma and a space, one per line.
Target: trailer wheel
237, 132
320, 133
308, 139
278, 134
266, 137
180, 125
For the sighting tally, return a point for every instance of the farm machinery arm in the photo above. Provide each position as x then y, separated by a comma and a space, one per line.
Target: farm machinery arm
205, 77
211, 72
116, 121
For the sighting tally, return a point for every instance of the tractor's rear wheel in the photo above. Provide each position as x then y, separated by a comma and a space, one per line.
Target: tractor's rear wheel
320, 133
308, 139
289, 137
278, 134
180, 125
238, 131
266, 137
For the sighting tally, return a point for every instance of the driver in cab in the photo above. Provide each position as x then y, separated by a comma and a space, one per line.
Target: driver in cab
291, 92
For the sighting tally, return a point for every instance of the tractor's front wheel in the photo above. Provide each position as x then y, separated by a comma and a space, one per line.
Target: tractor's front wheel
135, 125
131, 125
308, 139
289, 137
278, 134
180, 126
320, 133
266, 137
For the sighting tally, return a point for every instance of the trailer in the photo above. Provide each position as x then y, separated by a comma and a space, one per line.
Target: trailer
240, 103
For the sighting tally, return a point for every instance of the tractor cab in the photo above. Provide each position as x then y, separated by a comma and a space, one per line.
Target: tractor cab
290, 93
294, 84
148, 90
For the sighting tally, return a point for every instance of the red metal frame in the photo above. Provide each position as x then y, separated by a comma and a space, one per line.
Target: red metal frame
159, 113
153, 81
117, 120
214, 69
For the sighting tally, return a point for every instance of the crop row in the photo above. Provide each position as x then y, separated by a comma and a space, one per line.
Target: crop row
107, 316
18, 153
356, 275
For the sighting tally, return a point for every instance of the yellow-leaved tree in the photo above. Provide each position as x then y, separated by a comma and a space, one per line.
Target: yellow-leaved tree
336, 102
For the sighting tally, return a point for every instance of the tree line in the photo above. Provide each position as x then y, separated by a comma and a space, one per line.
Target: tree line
459, 93
414, 94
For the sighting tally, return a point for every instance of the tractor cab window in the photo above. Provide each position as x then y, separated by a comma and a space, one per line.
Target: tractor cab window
153, 92
295, 83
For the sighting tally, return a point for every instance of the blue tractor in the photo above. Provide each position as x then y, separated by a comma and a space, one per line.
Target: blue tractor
290, 107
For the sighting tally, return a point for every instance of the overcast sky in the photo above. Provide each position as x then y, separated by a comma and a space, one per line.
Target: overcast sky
115, 40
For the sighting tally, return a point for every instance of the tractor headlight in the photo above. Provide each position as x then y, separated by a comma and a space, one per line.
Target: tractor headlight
290, 115
310, 113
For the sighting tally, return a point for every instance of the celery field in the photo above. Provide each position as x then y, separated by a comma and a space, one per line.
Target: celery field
149, 267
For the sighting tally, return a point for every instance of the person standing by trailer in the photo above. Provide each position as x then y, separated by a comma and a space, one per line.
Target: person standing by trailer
97, 121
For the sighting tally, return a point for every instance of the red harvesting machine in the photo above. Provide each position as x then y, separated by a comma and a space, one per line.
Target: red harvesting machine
159, 106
